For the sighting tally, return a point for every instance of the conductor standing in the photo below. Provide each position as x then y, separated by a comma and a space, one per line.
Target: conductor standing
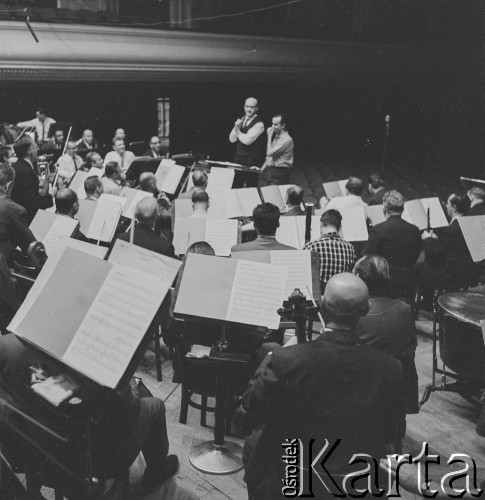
247, 134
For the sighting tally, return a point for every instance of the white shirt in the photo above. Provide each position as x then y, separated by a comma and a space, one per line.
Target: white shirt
350, 201
250, 136
199, 213
124, 162
42, 128
68, 165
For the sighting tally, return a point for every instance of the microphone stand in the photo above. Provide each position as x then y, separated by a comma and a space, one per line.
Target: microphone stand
386, 139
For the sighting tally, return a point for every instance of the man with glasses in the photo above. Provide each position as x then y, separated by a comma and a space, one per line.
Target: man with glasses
154, 150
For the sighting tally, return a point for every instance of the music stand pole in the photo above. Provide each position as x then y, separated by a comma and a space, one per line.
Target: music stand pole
386, 139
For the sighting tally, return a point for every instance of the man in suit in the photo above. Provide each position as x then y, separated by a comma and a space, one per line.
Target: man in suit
266, 221
376, 190
199, 179
144, 234
14, 229
86, 143
398, 241
247, 134
26, 188
294, 199
477, 197
93, 187
333, 388
154, 150
67, 205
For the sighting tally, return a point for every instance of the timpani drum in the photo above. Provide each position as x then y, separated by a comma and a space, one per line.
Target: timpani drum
461, 342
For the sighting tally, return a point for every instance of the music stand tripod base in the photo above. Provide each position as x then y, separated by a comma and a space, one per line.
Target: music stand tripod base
211, 458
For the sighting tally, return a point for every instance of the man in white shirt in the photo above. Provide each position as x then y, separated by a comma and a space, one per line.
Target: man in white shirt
112, 179
279, 153
246, 134
69, 164
354, 189
120, 155
42, 124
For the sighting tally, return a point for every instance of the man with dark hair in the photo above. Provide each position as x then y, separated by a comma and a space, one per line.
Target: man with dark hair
376, 189
354, 189
112, 178
294, 199
279, 153
93, 187
336, 255
247, 134
266, 221
200, 204
398, 241
199, 179
42, 124
58, 142
334, 390
144, 234
154, 150
477, 198
14, 229
26, 188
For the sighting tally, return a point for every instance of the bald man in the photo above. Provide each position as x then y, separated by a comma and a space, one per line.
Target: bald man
67, 204
331, 388
146, 212
247, 134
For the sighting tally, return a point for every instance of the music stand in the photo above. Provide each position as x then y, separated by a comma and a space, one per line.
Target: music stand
140, 165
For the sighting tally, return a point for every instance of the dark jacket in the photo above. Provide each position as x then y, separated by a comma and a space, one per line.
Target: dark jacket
261, 243
147, 238
26, 189
478, 209
295, 211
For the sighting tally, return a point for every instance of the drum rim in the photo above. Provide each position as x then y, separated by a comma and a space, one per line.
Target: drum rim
463, 320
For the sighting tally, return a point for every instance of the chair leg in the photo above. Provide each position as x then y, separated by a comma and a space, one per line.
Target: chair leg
158, 355
203, 413
184, 406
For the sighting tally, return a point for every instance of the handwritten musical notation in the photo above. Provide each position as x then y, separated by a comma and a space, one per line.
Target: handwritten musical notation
105, 220
62, 227
299, 268
220, 181
114, 325
257, 293
221, 234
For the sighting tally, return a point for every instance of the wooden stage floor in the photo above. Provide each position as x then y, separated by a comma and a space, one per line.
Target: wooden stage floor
446, 422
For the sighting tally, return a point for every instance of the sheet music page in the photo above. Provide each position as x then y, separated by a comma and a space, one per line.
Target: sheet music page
283, 188
98, 172
41, 224
299, 269
220, 181
249, 198
234, 205
172, 179
437, 216
221, 234
414, 213
257, 294
332, 189
114, 198
105, 219
141, 259
187, 231
63, 227
272, 194
473, 229
218, 207
354, 227
77, 183
115, 324
183, 207
375, 214
342, 187
288, 232
133, 197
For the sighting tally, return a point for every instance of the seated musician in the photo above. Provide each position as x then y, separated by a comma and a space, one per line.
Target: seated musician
146, 212
124, 422
294, 199
266, 221
67, 205
199, 179
69, 163
112, 178
389, 324
354, 188
93, 187
333, 388
93, 159
200, 205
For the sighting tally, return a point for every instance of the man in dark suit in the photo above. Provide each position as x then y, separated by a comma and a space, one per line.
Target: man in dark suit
266, 221
144, 233
154, 151
398, 241
334, 388
376, 190
26, 188
14, 229
294, 199
477, 197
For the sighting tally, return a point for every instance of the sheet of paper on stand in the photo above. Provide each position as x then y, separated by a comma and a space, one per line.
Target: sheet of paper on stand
354, 226
85, 214
335, 188
77, 183
183, 207
98, 172
220, 181
375, 213
133, 196
50, 228
292, 230
436, 214
415, 212
168, 176
272, 194
473, 229
187, 231
199, 352
105, 218
41, 223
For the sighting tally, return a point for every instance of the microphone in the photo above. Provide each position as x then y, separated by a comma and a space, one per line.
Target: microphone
388, 118
136, 143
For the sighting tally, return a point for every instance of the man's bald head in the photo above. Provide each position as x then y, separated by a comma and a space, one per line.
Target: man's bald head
200, 178
148, 182
250, 106
66, 202
346, 299
146, 211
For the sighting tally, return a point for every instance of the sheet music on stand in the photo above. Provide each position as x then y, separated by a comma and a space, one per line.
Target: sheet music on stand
77, 183
106, 217
415, 212
99, 324
375, 214
335, 188
133, 196
230, 290
354, 226
473, 229
292, 230
219, 182
168, 176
